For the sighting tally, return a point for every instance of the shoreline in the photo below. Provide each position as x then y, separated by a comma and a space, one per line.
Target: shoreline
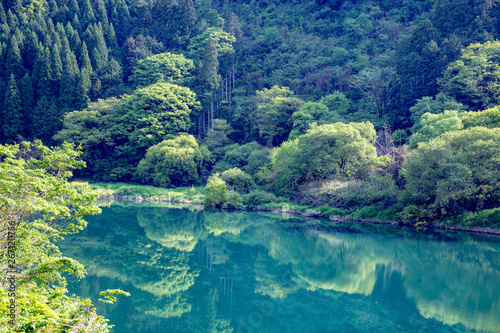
333, 219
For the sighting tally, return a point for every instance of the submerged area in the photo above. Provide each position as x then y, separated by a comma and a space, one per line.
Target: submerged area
236, 271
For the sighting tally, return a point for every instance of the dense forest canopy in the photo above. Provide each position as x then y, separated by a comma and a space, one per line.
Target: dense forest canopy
169, 92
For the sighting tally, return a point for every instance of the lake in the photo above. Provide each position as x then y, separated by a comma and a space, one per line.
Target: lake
189, 270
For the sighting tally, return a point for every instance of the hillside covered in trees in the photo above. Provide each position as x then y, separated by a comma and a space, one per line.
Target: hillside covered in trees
385, 109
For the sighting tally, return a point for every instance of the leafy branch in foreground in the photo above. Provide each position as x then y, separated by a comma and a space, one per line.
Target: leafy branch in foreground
38, 206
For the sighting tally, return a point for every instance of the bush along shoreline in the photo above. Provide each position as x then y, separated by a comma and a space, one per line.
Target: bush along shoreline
222, 197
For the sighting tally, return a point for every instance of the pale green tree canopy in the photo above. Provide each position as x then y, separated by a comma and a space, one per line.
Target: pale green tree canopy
167, 67
273, 116
455, 172
222, 40
175, 162
474, 78
38, 205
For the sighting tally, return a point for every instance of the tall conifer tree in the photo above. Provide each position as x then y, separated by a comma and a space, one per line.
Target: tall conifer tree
14, 62
12, 117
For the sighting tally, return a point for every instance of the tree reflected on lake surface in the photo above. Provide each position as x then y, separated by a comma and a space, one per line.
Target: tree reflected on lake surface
224, 271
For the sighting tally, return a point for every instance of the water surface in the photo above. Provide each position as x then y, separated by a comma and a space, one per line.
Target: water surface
222, 271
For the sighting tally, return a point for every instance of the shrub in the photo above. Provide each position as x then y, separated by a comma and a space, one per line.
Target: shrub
380, 190
175, 162
218, 196
258, 198
237, 180
215, 192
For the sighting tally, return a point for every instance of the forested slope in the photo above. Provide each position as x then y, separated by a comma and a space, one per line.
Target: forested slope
314, 101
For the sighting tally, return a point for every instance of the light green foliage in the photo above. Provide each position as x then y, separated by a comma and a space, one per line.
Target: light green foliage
168, 67
38, 205
308, 113
489, 118
176, 162
237, 180
333, 150
116, 133
338, 149
473, 79
433, 125
222, 40
155, 111
273, 116
438, 104
217, 140
338, 106
217, 194
284, 168
456, 172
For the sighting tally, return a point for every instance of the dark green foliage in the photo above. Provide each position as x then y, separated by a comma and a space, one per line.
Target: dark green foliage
257, 198
248, 157
28, 99
44, 120
217, 140
14, 62
12, 113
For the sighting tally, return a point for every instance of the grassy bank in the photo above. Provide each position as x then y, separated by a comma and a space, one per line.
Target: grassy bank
194, 195
368, 214
106, 191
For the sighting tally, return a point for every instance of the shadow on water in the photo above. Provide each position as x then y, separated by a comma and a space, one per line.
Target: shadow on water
220, 271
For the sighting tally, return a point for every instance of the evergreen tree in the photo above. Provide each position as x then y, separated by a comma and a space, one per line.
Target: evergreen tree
73, 7
56, 69
28, 99
85, 59
111, 40
73, 38
100, 51
42, 74
14, 62
210, 66
3, 16
45, 120
12, 20
102, 14
209, 75
69, 95
53, 8
12, 117
30, 50
87, 14
76, 23
84, 85
120, 17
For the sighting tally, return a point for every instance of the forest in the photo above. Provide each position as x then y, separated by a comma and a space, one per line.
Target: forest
386, 108
372, 109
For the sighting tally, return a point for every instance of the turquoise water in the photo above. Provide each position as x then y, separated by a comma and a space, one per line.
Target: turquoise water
222, 271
